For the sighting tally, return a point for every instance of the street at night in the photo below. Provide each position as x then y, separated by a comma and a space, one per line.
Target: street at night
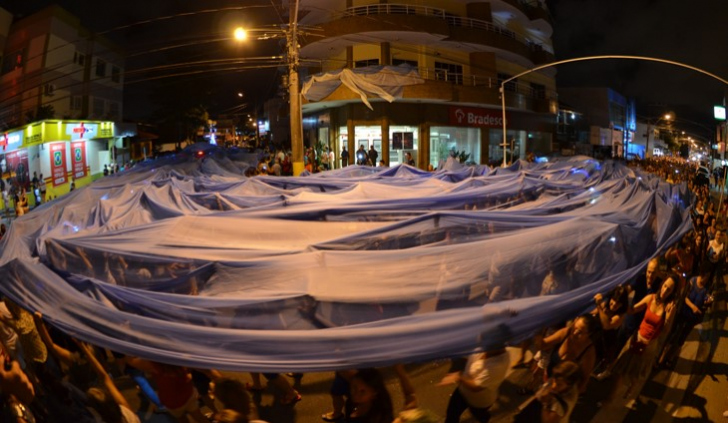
362, 212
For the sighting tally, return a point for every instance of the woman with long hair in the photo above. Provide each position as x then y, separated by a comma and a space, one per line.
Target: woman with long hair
638, 354
576, 342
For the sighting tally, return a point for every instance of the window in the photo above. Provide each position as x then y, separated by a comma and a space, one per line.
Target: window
538, 91
365, 63
510, 85
98, 107
14, 60
76, 102
79, 58
449, 72
100, 68
49, 90
115, 74
397, 62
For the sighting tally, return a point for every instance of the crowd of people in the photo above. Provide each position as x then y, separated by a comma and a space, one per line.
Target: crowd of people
277, 161
637, 326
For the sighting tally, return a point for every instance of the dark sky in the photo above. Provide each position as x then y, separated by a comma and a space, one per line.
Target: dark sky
691, 32
189, 42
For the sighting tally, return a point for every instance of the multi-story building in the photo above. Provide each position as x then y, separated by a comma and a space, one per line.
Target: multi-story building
608, 119
61, 93
53, 67
6, 19
460, 50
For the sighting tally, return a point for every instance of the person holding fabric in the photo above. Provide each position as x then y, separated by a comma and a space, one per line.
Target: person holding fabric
34, 350
646, 284
107, 403
478, 385
555, 400
611, 314
637, 356
691, 313
174, 385
575, 343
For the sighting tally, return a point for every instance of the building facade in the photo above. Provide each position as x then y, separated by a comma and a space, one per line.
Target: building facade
60, 152
53, 67
605, 122
460, 51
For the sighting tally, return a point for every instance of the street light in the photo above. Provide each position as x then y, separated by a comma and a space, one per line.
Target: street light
581, 59
240, 34
296, 118
666, 117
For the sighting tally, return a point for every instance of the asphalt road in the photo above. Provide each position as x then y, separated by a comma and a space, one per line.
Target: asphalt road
695, 390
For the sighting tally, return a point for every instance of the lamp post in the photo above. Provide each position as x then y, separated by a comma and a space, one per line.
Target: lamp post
581, 59
296, 120
294, 93
667, 117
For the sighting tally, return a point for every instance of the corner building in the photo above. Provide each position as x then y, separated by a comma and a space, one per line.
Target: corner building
462, 50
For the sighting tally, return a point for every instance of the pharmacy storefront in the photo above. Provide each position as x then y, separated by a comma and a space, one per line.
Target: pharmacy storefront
60, 151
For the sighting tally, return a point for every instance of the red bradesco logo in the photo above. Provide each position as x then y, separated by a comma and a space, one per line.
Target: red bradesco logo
473, 116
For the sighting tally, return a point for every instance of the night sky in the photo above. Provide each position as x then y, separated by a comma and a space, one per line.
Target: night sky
180, 53
692, 32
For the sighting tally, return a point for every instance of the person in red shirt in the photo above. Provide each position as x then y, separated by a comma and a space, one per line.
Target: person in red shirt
638, 355
174, 386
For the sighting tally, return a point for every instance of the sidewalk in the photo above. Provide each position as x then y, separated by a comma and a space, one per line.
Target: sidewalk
695, 390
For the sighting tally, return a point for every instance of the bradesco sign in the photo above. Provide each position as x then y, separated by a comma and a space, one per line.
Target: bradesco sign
473, 116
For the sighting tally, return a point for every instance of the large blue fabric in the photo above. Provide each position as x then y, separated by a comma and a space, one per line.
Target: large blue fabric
189, 262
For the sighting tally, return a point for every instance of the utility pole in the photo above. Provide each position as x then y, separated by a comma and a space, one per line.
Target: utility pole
293, 90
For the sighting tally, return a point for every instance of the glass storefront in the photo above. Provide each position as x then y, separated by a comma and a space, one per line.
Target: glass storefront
516, 144
401, 140
444, 139
520, 142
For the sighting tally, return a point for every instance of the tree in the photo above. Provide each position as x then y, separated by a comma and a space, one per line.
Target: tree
43, 112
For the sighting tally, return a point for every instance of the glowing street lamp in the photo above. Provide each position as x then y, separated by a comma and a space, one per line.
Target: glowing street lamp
240, 34
666, 117
294, 94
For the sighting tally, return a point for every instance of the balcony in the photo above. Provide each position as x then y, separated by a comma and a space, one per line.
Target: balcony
441, 86
434, 22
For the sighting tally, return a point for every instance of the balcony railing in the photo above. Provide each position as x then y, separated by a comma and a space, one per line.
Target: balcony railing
452, 20
483, 81
456, 78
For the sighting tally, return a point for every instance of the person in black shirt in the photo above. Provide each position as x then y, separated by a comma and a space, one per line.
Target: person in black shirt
373, 155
